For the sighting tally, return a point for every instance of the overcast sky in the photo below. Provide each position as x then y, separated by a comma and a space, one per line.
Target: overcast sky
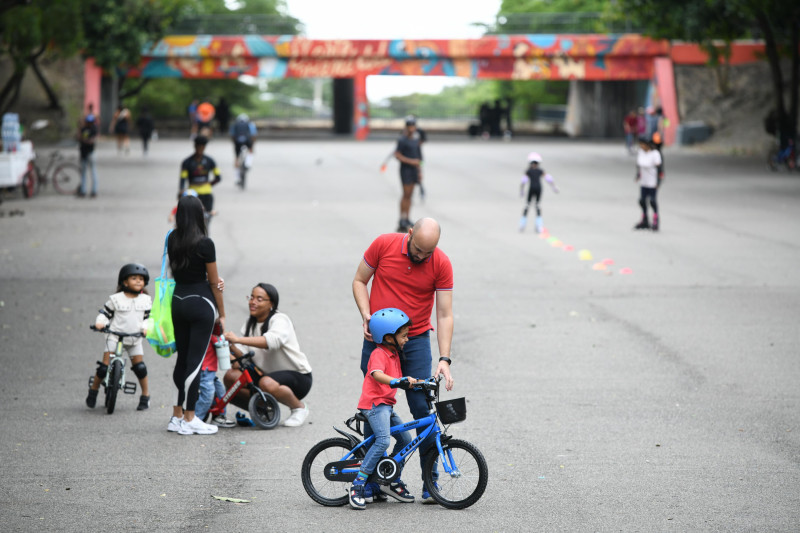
402, 19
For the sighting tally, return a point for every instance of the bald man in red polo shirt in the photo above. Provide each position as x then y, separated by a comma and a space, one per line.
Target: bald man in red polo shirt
409, 273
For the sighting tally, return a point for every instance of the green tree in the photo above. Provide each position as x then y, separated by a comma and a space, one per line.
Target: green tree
704, 21
27, 32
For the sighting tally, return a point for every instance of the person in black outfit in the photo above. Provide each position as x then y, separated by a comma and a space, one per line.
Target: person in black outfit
409, 153
533, 178
145, 125
196, 306
223, 115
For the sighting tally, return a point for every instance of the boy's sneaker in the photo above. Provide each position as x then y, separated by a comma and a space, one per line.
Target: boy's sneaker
222, 421
196, 427
91, 399
174, 424
372, 493
297, 417
398, 491
144, 403
243, 421
426, 496
357, 500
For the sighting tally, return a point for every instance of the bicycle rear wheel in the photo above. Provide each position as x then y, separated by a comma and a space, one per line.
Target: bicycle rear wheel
30, 182
322, 490
466, 484
114, 376
67, 178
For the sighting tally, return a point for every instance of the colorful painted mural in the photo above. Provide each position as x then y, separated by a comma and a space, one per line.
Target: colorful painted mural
523, 57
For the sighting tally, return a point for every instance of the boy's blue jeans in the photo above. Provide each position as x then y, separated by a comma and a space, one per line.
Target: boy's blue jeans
210, 386
88, 161
416, 362
381, 419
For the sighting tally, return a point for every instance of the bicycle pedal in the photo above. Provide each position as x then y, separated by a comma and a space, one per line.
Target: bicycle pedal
91, 380
129, 388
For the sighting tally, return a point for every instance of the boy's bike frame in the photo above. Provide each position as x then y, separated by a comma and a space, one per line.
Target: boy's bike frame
330, 467
115, 375
264, 408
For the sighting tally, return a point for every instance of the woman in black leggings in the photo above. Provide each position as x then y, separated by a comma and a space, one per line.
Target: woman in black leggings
196, 306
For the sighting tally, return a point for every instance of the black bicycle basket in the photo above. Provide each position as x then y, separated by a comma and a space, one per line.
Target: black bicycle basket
452, 411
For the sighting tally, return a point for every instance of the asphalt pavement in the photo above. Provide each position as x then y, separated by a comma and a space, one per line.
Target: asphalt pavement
616, 380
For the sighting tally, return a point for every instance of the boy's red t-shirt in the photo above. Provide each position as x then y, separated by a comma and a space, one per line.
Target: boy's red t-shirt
210, 361
372, 392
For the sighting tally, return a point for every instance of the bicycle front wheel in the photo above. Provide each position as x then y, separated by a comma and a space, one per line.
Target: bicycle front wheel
321, 489
67, 178
467, 482
265, 410
114, 377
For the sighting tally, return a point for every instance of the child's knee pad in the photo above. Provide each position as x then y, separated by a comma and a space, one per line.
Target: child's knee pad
140, 370
102, 370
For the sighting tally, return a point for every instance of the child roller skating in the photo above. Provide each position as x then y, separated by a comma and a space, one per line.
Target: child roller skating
533, 177
648, 161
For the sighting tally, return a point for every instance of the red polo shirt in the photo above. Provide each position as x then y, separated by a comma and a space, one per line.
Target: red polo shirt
372, 392
408, 286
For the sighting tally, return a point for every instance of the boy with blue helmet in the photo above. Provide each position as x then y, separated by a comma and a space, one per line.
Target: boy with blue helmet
389, 328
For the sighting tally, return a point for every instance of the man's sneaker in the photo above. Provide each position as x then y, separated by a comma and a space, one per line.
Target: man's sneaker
426, 496
196, 427
357, 500
243, 421
91, 399
222, 421
398, 491
174, 424
372, 493
144, 403
297, 417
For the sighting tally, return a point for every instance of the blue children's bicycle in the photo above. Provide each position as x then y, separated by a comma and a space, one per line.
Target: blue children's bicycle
330, 467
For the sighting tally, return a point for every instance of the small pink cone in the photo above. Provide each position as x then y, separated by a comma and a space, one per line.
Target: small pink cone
625, 270
607, 262
568, 248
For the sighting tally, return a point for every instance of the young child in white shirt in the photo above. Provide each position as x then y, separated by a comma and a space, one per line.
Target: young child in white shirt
125, 311
648, 159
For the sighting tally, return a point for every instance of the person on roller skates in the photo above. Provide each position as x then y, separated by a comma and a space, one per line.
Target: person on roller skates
648, 161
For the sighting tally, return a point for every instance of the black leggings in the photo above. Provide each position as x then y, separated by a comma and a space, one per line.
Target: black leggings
193, 317
533, 192
648, 193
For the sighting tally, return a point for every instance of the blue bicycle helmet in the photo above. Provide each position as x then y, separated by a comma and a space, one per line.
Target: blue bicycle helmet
386, 322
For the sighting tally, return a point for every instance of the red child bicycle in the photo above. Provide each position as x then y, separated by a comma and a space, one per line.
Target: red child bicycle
263, 407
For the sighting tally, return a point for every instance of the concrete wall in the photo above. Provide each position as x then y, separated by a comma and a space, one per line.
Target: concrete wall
596, 108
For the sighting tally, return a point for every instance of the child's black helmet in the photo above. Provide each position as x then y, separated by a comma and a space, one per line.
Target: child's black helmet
131, 269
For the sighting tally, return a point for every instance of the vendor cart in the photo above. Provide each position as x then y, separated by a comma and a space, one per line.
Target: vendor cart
15, 167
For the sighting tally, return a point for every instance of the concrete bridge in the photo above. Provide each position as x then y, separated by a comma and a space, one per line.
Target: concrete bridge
604, 69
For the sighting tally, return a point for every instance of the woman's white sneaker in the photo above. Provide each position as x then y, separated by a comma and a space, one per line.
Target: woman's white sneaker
297, 417
196, 426
174, 424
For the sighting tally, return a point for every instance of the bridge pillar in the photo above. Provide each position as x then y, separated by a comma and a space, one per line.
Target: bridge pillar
343, 110
596, 108
361, 108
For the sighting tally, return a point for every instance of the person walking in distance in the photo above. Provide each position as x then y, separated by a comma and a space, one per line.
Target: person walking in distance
647, 162
120, 126
146, 126
87, 137
409, 153
409, 272
197, 306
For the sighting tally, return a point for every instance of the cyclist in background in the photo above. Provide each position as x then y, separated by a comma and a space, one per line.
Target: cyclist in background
243, 132
199, 172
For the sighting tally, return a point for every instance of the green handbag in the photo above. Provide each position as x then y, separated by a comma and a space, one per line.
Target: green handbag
161, 335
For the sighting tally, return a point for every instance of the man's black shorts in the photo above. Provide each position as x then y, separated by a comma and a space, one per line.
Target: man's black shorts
409, 175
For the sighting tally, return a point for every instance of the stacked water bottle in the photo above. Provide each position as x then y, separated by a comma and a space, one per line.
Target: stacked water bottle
10, 132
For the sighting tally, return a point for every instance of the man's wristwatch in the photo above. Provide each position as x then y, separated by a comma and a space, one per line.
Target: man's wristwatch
446, 359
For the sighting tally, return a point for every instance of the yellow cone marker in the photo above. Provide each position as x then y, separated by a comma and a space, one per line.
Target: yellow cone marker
585, 255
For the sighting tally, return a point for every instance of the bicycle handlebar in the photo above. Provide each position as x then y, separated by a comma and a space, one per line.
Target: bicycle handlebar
117, 333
